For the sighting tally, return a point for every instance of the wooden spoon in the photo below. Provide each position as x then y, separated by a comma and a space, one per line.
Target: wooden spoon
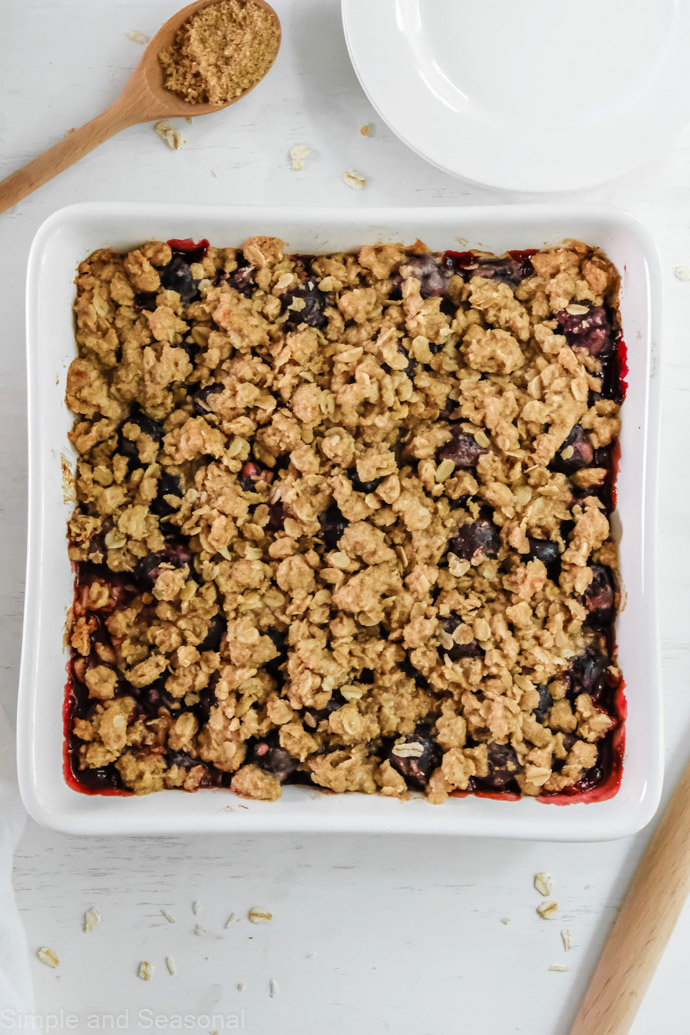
644, 925
143, 99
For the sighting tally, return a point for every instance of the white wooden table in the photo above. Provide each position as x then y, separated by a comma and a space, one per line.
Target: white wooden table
369, 934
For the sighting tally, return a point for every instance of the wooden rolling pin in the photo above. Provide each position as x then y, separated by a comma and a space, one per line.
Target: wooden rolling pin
644, 925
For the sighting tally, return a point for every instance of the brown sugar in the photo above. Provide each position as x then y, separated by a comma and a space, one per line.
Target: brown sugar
221, 51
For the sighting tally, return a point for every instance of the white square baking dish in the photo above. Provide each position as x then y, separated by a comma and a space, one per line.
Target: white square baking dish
70, 235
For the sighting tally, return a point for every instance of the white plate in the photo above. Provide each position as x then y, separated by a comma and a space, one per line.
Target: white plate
541, 95
69, 236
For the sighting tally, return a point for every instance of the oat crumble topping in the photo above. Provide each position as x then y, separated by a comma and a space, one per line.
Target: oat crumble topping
343, 520
221, 51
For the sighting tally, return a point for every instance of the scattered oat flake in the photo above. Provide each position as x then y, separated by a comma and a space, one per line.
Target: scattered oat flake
567, 939
174, 138
145, 971
366, 130
168, 916
558, 967
170, 964
505, 920
231, 919
196, 908
259, 916
91, 918
138, 37
199, 929
48, 956
241, 986
273, 988
298, 153
547, 910
354, 180
543, 882
682, 272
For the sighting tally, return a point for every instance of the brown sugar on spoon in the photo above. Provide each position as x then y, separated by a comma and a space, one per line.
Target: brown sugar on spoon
220, 51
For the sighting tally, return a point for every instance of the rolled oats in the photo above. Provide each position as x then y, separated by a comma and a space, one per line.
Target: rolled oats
354, 180
298, 154
547, 910
145, 971
91, 918
49, 957
543, 883
173, 137
259, 916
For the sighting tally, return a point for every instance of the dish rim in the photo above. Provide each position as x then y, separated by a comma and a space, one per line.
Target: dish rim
527, 819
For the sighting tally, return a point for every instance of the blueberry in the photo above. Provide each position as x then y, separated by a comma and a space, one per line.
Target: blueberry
315, 302
600, 597
547, 552
481, 536
587, 674
462, 449
177, 276
333, 524
279, 639
503, 767
243, 280
191, 348
460, 650
274, 667
153, 697
358, 485
413, 673
148, 568
181, 759
416, 768
106, 776
200, 400
274, 759
214, 634
145, 300
149, 426
411, 361
207, 699
433, 277
449, 408
276, 517
168, 485
590, 331
317, 715
506, 270
251, 472
580, 453
545, 704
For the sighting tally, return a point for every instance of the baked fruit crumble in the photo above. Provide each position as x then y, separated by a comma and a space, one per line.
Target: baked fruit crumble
343, 520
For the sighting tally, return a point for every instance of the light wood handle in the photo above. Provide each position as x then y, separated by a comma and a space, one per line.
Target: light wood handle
73, 146
644, 925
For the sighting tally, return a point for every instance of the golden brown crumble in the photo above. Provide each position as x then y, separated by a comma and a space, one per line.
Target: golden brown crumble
221, 51
343, 519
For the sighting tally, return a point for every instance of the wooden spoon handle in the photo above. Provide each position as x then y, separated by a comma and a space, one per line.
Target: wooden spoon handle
73, 146
644, 925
